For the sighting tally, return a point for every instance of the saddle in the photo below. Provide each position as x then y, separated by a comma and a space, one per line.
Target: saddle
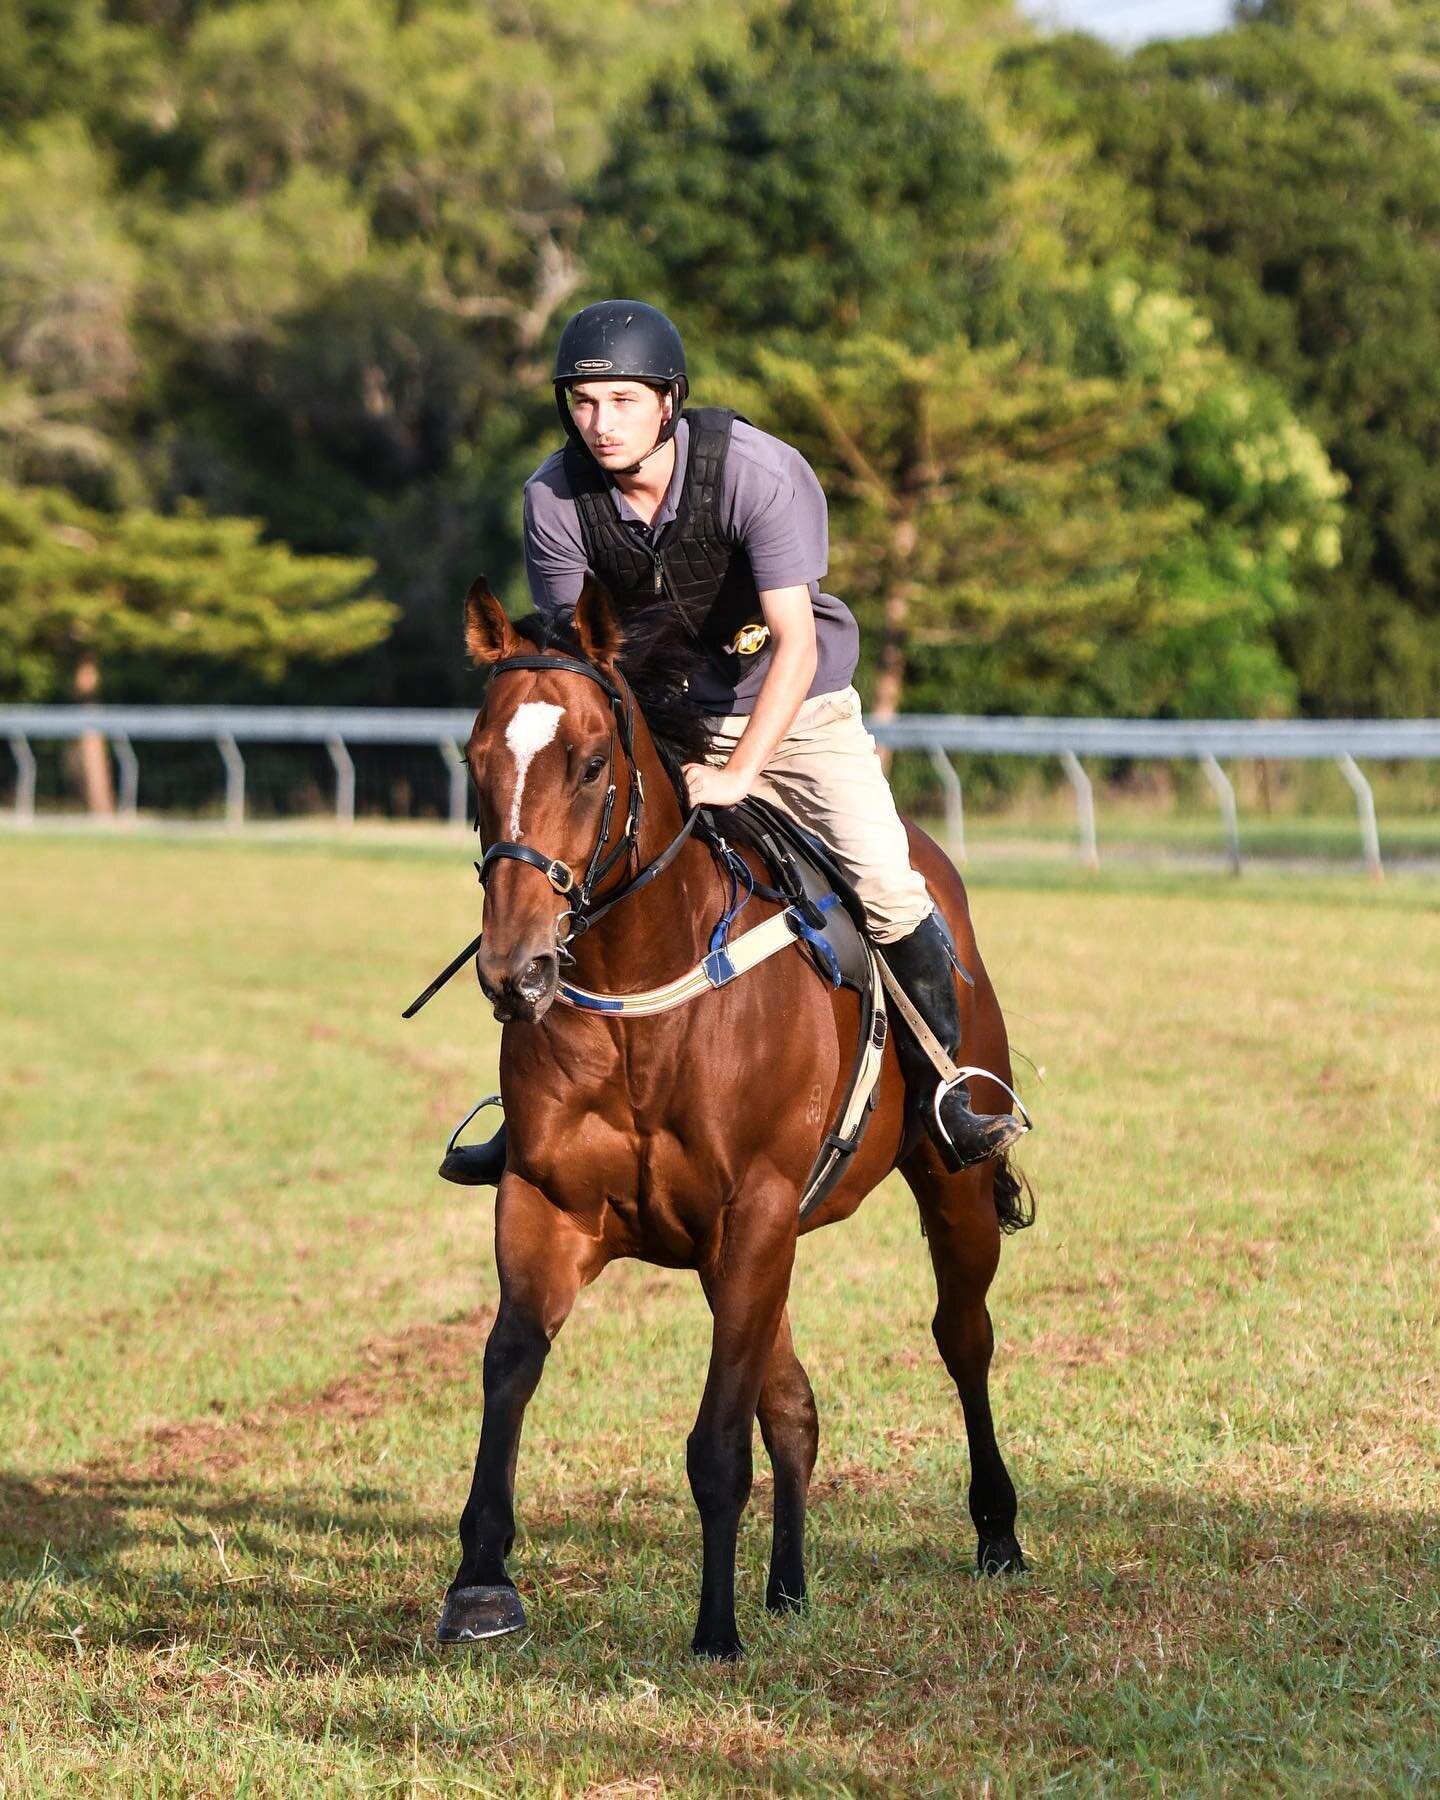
829, 921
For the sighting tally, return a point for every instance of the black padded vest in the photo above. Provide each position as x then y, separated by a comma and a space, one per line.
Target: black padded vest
701, 576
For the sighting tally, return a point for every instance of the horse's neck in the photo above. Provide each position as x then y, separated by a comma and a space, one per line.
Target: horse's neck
665, 928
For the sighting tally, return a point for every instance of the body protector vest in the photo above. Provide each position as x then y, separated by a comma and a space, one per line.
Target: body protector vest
690, 567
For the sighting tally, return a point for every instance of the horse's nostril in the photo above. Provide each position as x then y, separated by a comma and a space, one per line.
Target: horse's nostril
534, 978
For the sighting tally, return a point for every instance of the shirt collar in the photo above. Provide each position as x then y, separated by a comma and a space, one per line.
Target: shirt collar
671, 505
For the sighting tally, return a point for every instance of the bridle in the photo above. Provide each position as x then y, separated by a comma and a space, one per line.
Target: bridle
582, 912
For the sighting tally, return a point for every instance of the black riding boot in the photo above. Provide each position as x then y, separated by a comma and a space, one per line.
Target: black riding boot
476, 1165
923, 965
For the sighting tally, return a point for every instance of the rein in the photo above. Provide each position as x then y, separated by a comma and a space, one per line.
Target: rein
583, 912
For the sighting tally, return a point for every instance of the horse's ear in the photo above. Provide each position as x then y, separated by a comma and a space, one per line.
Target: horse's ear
489, 635
597, 624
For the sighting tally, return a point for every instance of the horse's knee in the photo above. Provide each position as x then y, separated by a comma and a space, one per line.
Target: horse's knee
515, 1351
720, 1467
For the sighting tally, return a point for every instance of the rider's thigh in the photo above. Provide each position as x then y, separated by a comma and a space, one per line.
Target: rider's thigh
826, 774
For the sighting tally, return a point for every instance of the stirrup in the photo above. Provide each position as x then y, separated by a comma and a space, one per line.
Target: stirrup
453, 1159
1023, 1124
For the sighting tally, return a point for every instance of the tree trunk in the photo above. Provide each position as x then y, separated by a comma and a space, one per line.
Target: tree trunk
890, 664
92, 753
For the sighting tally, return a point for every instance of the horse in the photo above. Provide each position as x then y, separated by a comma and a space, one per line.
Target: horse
683, 1139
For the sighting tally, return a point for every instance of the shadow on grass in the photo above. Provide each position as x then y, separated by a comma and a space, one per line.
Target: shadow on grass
66, 1547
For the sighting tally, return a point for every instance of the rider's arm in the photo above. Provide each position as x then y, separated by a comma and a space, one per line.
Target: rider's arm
791, 617
554, 549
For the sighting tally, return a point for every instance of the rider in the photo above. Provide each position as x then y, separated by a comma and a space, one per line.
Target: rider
700, 510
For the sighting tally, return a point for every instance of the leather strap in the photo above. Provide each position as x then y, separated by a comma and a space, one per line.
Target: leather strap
944, 1064
951, 1074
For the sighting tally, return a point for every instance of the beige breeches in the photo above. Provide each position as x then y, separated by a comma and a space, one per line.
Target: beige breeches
825, 773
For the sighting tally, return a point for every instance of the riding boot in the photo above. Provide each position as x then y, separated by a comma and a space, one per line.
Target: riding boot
476, 1165
924, 964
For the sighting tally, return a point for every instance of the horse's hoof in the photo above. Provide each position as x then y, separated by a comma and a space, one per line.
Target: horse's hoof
474, 1613
718, 1649
1000, 1556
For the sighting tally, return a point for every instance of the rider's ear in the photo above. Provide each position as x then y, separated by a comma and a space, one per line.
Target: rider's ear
597, 624
489, 635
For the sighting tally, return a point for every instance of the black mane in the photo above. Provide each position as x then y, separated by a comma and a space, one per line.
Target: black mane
655, 669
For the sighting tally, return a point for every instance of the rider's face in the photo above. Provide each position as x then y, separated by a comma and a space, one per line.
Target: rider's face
619, 420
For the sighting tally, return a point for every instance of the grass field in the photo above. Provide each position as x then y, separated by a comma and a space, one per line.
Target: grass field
241, 1322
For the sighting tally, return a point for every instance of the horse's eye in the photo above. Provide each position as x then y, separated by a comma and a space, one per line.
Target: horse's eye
592, 770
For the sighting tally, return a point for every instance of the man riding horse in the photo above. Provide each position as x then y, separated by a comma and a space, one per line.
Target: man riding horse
697, 511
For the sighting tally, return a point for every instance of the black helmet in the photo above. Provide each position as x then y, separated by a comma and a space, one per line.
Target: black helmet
622, 338
625, 340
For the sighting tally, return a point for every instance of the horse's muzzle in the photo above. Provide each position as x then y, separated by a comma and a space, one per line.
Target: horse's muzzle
524, 996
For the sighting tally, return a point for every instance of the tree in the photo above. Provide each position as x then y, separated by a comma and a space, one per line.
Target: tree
1296, 193
68, 275
1035, 538
979, 500
81, 590
815, 186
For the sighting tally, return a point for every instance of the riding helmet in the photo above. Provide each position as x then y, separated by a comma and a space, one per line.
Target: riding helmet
624, 340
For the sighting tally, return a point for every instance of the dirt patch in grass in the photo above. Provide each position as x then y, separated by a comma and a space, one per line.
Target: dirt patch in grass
443, 1352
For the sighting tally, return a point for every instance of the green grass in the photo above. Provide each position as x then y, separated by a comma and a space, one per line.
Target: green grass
241, 1323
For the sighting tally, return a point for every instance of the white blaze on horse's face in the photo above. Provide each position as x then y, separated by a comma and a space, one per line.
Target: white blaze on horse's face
531, 728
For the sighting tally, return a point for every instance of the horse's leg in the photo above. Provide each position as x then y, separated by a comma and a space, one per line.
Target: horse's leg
791, 1430
963, 1233
543, 1263
747, 1278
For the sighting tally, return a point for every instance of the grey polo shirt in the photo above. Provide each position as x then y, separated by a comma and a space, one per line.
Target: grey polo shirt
770, 502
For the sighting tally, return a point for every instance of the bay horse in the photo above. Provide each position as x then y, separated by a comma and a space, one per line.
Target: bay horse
683, 1139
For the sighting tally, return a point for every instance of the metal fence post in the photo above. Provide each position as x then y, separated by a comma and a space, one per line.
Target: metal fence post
1365, 807
234, 780
459, 779
1084, 808
1225, 793
344, 780
129, 797
954, 804
24, 778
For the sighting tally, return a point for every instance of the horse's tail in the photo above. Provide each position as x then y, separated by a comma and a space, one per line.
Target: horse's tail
1013, 1195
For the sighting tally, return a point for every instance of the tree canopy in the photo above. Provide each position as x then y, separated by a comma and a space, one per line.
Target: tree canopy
1140, 350
1295, 192
81, 589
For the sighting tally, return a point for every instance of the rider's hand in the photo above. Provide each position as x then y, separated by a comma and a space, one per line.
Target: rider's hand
709, 786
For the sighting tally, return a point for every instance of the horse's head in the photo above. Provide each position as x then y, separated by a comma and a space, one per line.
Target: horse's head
553, 789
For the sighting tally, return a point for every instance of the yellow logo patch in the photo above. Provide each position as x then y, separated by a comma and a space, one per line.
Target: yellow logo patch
748, 639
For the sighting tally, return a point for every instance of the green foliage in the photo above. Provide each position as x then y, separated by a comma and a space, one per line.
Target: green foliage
1297, 194
304, 264
68, 276
82, 588
355, 226
816, 184
1012, 533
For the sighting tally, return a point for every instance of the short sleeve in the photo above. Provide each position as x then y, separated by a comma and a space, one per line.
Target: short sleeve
781, 523
554, 549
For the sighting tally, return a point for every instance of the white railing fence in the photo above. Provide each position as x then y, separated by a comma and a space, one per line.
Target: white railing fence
1204, 742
